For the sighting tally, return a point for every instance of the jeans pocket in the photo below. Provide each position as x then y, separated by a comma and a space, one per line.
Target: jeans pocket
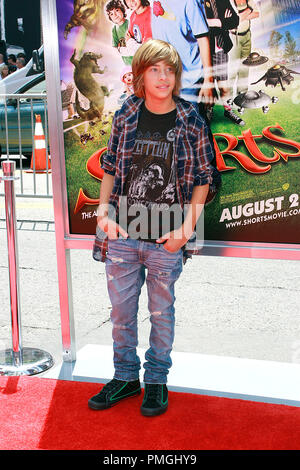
170, 252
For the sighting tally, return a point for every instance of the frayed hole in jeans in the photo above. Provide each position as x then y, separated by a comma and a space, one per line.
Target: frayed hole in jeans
156, 313
116, 260
120, 327
163, 285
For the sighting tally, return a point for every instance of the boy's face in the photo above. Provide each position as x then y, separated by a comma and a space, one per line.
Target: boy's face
134, 4
116, 16
159, 81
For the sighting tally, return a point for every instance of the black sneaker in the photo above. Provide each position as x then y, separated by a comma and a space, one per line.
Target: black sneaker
155, 400
113, 392
233, 117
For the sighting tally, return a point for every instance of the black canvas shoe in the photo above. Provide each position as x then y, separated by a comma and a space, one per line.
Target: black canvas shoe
233, 117
155, 400
113, 392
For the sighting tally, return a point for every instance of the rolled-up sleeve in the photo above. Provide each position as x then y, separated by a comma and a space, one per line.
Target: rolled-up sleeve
203, 154
109, 158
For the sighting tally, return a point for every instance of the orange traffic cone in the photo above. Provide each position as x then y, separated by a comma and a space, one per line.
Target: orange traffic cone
40, 154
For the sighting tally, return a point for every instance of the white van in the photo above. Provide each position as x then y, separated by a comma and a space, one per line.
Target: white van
20, 77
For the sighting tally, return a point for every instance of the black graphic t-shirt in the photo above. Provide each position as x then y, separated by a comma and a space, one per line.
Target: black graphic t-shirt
150, 184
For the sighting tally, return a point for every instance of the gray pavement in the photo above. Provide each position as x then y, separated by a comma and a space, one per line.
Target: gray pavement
244, 308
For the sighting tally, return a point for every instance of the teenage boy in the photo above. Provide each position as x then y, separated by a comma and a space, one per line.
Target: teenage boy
158, 152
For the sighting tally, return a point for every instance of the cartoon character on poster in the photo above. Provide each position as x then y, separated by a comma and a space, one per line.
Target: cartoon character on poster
104, 36
127, 78
87, 14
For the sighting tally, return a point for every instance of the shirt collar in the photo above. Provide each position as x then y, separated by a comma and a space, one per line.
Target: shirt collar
133, 104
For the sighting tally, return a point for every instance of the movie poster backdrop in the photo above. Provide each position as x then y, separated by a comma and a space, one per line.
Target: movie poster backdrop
258, 154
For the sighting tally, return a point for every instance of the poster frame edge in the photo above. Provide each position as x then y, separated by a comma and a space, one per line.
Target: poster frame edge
60, 206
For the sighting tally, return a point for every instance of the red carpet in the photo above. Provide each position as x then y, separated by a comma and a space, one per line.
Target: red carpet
46, 414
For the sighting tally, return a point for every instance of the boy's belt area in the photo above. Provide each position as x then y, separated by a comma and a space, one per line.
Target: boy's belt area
240, 34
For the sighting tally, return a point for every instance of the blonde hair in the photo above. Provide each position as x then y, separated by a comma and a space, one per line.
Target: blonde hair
148, 54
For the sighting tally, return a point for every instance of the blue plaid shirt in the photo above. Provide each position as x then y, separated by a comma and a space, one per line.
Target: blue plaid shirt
193, 156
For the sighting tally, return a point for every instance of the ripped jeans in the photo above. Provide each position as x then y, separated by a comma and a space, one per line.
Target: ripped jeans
126, 263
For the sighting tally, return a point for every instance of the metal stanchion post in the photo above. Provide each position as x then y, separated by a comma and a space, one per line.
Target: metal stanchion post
18, 360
